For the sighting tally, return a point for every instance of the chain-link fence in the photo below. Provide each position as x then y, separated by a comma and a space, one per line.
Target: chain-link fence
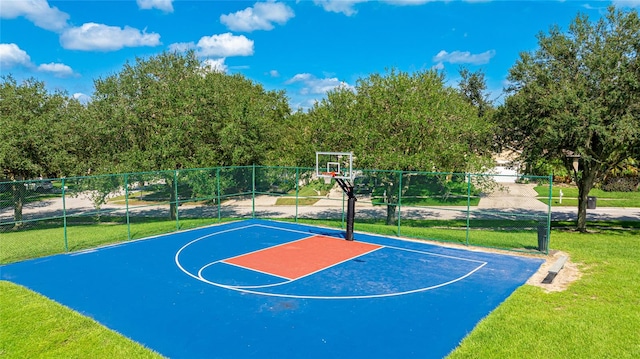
44, 217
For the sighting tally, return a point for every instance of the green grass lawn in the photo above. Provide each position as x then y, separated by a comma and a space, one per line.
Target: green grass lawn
432, 201
309, 191
432, 193
513, 235
47, 237
428, 190
32, 326
596, 317
291, 201
603, 199
307, 196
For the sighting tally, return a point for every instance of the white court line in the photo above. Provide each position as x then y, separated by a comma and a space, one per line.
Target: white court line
265, 249
176, 257
86, 251
291, 230
143, 239
436, 254
242, 267
290, 280
346, 296
399, 248
177, 260
245, 289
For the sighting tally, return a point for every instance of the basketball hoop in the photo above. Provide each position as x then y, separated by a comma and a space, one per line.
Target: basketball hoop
339, 166
328, 176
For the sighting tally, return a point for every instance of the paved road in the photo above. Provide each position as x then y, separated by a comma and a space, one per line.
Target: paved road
510, 200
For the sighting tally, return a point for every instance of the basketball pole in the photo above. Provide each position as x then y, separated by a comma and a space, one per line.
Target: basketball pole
351, 206
344, 177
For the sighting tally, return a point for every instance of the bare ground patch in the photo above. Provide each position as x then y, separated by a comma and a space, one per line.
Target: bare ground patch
569, 274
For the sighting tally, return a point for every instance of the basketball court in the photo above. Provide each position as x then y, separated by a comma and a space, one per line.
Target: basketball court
267, 289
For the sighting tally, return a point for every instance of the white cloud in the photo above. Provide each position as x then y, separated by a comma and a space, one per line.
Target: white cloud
57, 69
299, 78
316, 86
39, 12
626, 3
215, 65
274, 73
12, 55
438, 66
304, 104
83, 98
224, 45
164, 5
217, 47
261, 16
408, 2
464, 57
182, 46
346, 7
92, 36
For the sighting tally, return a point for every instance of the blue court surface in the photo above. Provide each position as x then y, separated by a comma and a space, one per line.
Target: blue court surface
267, 289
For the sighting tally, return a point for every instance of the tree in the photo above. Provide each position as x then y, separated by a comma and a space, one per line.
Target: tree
37, 134
168, 112
578, 96
400, 121
473, 87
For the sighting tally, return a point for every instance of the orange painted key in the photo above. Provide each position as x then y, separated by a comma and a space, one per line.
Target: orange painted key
300, 258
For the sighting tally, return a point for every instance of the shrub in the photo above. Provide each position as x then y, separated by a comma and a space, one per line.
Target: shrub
562, 179
621, 184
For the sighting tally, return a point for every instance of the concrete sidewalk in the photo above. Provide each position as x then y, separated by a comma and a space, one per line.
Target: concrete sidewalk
512, 199
513, 195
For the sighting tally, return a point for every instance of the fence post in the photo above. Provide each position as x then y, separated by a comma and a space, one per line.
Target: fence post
468, 206
399, 199
218, 192
549, 213
64, 216
177, 201
126, 204
253, 191
343, 213
297, 190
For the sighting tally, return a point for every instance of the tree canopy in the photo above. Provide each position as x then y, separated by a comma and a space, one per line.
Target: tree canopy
399, 121
473, 87
38, 137
578, 96
169, 112
38, 130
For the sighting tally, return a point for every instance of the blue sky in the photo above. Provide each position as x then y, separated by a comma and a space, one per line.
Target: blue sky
304, 47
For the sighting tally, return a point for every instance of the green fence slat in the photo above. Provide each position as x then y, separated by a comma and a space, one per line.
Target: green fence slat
430, 205
126, 205
468, 176
64, 216
400, 173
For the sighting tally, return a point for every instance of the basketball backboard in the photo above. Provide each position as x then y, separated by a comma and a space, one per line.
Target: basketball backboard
335, 165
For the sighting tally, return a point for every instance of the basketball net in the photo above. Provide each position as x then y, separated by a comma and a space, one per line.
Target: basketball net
327, 180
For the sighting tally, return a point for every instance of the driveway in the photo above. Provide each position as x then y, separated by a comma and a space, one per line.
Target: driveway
513, 195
